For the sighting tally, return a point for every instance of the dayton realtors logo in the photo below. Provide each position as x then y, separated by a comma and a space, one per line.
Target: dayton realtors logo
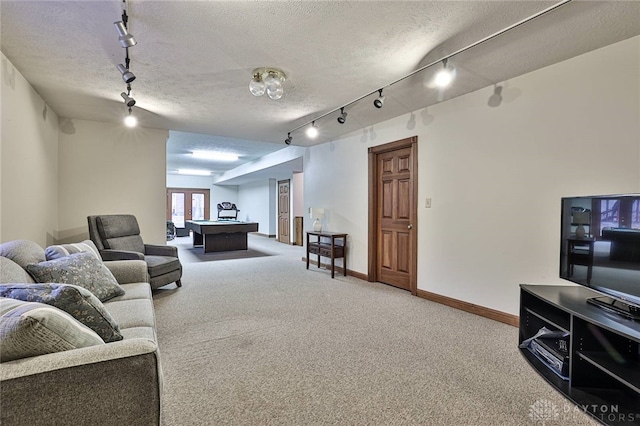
544, 411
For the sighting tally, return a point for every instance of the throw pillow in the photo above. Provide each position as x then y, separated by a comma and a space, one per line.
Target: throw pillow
78, 302
29, 329
62, 250
81, 269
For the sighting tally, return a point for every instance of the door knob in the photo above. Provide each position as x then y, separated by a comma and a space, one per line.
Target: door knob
410, 226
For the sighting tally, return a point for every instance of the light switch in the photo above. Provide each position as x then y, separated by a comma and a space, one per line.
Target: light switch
427, 203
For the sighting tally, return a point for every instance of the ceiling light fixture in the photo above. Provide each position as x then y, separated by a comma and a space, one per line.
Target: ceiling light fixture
545, 11
312, 131
445, 76
126, 39
343, 116
127, 75
194, 172
379, 101
128, 100
267, 80
214, 155
130, 120
289, 139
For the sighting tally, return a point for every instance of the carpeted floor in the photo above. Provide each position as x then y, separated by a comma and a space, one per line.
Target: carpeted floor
262, 341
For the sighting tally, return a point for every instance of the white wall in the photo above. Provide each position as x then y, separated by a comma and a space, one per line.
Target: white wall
111, 169
496, 175
254, 202
29, 161
219, 193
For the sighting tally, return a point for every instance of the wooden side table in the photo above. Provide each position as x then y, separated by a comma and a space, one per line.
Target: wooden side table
326, 245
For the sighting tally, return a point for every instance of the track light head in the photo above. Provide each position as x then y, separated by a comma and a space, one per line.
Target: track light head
289, 139
127, 75
312, 131
379, 101
445, 76
130, 120
128, 100
343, 116
126, 39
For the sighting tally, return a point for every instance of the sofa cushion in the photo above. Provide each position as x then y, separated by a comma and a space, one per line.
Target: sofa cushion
23, 252
11, 272
77, 301
160, 265
62, 250
81, 269
29, 329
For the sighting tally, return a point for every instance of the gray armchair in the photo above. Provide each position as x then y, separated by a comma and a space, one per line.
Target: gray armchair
117, 237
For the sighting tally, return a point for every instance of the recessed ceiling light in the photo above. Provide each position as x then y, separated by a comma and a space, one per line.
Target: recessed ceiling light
213, 155
194, 172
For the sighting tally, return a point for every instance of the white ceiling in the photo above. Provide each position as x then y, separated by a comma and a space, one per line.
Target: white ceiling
193, 60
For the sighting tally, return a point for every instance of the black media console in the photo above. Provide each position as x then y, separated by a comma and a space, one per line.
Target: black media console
603, 375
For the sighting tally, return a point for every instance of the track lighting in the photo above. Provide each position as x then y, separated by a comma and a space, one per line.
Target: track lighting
267, 80
445, 76
126, 39
130, 120
289, 139
343, 116
128, 100
379, 101
312, 131
127, 75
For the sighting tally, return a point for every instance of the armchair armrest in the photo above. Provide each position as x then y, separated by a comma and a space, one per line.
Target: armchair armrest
128, 271
158, 250
110, 254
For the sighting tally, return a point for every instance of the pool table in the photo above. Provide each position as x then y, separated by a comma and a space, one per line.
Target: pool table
222, 235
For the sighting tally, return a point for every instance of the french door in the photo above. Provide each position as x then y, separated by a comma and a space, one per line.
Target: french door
187, 204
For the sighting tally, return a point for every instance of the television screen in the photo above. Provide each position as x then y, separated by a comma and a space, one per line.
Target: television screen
600, 244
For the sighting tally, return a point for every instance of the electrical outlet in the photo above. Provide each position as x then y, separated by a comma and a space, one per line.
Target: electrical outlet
427, 203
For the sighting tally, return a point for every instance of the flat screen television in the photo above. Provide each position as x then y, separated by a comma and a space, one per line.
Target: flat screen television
600, 249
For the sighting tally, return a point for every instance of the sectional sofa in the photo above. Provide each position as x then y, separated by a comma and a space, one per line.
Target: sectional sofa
114, 383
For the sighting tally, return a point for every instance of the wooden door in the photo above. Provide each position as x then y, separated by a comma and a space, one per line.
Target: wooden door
393, 193
284, 217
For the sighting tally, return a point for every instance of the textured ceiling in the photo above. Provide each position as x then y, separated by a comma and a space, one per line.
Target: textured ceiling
193, 59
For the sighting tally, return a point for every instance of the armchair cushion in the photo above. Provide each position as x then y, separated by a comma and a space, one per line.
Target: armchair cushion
155, 250
109, 254
160, 265
78, 302
81, 269
120, 232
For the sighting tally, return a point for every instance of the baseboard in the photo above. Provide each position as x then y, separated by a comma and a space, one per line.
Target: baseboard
493, 314
339, 269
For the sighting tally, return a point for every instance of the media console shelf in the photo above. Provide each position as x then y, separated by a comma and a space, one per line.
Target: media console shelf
604, 360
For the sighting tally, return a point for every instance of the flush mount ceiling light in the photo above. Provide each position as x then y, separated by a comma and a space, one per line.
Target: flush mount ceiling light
126, 39
214, 155
342, 118
194, 172
267, 80
445, 76
379, 101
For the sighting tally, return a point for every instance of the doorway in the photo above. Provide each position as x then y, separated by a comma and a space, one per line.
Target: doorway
284, 216
393, 193
187, 204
